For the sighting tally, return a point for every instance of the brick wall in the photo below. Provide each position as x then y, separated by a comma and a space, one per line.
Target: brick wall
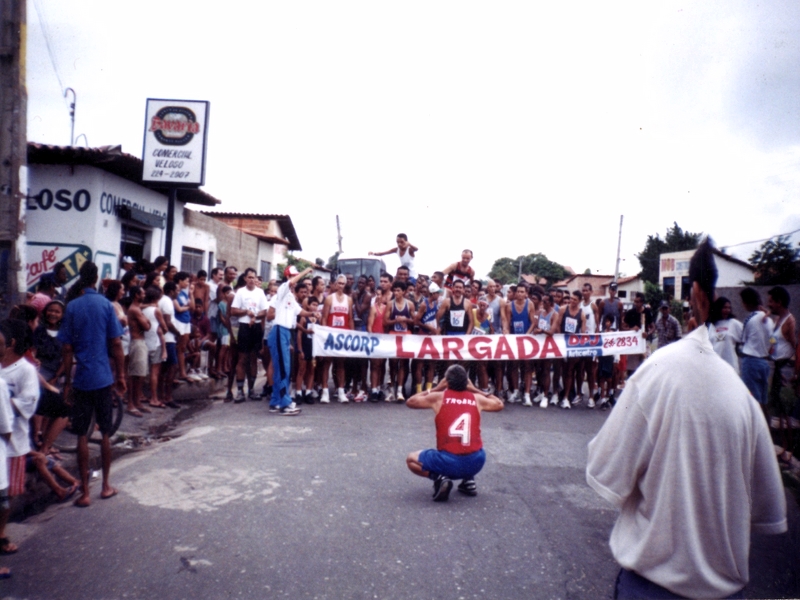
233, 246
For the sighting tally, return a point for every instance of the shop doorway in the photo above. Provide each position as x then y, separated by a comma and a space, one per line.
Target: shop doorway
132, 243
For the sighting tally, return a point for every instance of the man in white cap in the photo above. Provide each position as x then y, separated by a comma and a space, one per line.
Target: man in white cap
286, 312
127, 265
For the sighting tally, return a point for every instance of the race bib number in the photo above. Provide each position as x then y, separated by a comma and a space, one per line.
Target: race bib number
543, 324
570, 325
338, 321
519, 327
460, 428
457, 318
400, 327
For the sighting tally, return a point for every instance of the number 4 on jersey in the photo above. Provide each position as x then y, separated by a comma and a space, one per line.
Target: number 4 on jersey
460, 428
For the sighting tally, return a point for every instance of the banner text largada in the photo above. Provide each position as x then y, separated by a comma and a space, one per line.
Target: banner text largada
337, 343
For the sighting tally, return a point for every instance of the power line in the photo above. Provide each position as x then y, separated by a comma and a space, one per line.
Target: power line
757, 241
43, 25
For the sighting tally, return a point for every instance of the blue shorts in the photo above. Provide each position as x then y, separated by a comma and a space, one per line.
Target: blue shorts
454, 466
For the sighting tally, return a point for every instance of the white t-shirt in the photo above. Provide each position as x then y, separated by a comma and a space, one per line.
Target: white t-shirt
724, 336
23, 387
286, 307
755, 335
253, 300
687, 458
166, 307
6, 426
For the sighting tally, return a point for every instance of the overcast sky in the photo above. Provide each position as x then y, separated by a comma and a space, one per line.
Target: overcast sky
509, 128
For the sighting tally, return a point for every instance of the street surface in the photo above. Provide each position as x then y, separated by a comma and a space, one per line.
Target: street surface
247, 504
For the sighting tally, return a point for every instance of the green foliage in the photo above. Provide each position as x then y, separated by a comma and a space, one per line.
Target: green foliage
776, 262
587, 272
675, 241
333, 261
506, 270
298, 262
653, 295
320, 262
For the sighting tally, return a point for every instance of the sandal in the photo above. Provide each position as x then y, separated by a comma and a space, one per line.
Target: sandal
7, 547
134, 413
159, 405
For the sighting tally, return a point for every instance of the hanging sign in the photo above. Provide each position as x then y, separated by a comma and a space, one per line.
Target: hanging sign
175, 135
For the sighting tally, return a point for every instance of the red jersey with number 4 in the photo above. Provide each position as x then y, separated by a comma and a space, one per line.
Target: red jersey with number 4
458, 423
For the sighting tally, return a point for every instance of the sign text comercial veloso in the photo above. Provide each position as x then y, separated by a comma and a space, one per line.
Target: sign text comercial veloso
175, 136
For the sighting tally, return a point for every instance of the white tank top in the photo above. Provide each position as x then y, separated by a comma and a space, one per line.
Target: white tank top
407, 260
588, 313
151, 336
779, 347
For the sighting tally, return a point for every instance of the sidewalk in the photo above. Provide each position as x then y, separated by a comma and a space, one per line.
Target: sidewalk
133, 433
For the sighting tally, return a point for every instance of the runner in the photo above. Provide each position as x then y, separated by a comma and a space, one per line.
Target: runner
455, 311
546, 325
459, 452
459, 271
587, 366
428, 325
337, 312
397, 320
377, 366
571, 320
519, 319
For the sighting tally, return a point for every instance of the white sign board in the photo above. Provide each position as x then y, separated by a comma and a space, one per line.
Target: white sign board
175, 135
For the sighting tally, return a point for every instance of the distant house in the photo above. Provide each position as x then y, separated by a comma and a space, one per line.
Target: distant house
275, 233
673, 273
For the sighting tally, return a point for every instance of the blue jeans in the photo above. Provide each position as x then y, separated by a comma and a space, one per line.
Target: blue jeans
632, 585
280, 349
755, 375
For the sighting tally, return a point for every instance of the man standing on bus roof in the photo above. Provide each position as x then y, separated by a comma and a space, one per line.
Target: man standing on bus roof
406, 251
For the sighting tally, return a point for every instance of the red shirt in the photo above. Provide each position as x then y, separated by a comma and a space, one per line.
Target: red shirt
458, 423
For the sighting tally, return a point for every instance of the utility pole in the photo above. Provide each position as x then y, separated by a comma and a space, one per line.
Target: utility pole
619, 245
339, 234
13, 153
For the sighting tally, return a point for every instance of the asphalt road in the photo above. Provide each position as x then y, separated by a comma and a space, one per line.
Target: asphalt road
247, 504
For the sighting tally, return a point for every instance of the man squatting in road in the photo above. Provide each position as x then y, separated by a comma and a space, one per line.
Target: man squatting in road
459, 452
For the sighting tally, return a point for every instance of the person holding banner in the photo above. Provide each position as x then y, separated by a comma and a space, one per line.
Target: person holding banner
571, 320
337, 312
280, 341
397, 319
459, 452
519, 320
546, 324
428, 325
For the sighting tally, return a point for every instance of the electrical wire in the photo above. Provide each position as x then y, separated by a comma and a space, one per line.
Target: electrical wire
43, 25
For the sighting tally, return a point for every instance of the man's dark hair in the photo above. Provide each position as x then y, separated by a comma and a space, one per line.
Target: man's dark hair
14, 329
249, 270
170, 287
201, 273
589, 285
479, 282
47, 283
215, 270
225, 289
133, 291
231, 267
399, 285
750, 296
112, 290
456, 378
180, 276
402, 236
780, 295
403, 268
639, 296
389, 277
577, 294
23, 312
703, 268
160, 260
438, 274
87, 277
152, 294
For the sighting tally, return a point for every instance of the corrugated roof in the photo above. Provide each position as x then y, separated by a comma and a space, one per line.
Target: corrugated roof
112, 160
287, 227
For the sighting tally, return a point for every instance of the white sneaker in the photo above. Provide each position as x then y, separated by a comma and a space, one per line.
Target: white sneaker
513, 397
577, 400
527, 400
565, 404
542, 401
341, 396
590, 403
360, 396
325, 399
389, 396
602, 402
554, 399
400, 396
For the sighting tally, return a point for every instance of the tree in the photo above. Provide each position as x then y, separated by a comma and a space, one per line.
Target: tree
776, 262
506, 270
299, 263
676, 240
333, 261
320, 262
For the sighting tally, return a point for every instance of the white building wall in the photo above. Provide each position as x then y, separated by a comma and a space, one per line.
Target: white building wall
71, 218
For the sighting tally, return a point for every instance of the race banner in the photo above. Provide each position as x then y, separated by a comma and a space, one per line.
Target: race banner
336, 343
